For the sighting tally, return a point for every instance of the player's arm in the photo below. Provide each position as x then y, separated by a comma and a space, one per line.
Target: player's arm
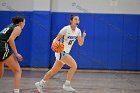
60, 34
58, 37
16, 32
81, 39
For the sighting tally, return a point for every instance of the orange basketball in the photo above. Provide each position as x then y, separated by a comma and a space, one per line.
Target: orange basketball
57, 46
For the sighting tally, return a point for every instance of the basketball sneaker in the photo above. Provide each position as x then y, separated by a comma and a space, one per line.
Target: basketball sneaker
39, 87
67, 87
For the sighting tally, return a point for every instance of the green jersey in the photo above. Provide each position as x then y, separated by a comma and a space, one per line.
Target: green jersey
6, 32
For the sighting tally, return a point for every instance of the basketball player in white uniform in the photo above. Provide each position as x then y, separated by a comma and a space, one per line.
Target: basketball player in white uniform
67, 35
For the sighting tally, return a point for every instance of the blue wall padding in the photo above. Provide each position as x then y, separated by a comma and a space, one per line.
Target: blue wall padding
40, 39
129, 50
112, 42
138, 45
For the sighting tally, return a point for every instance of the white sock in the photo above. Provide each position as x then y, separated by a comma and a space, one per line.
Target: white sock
42, 82
67, 82
16, 90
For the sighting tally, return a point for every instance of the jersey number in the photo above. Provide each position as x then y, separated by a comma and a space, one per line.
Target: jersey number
5, 30
70, 42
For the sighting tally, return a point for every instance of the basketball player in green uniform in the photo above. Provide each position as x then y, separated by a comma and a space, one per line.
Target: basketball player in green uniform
8, 51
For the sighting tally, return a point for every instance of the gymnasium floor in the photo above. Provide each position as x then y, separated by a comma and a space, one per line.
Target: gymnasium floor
84, 82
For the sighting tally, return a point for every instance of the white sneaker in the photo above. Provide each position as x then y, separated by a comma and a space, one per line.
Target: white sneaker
68, 88
16, 91
39, 87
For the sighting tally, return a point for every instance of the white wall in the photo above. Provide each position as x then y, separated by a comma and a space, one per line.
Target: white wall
16, 5
25, 5
96, 6
42, 5
90, 6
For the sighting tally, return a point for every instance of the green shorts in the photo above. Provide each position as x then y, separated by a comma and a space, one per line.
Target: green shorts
5, 50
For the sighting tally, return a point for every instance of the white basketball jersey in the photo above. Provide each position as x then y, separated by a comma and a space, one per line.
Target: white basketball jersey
69, 37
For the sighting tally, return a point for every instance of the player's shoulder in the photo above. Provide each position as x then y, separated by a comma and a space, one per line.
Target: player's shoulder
67, 27
17, 28
78, 29
12, 25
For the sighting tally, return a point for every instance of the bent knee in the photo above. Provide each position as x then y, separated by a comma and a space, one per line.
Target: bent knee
19, 71
74, 67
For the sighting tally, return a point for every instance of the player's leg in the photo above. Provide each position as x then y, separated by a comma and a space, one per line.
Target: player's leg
73, 67
56, 67
2, 52
1, 69
13, 64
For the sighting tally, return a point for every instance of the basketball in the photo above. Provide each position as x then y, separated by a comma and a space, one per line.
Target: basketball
57, 46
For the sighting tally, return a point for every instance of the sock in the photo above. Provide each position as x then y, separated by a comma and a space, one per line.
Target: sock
16, 91
42, 82
67, 82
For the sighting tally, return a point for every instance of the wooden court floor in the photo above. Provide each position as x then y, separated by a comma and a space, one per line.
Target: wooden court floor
83, 82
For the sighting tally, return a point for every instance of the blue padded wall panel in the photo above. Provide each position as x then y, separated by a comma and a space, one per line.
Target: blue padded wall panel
138, 45
115, 41
101, 41
40, 39
129, 42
